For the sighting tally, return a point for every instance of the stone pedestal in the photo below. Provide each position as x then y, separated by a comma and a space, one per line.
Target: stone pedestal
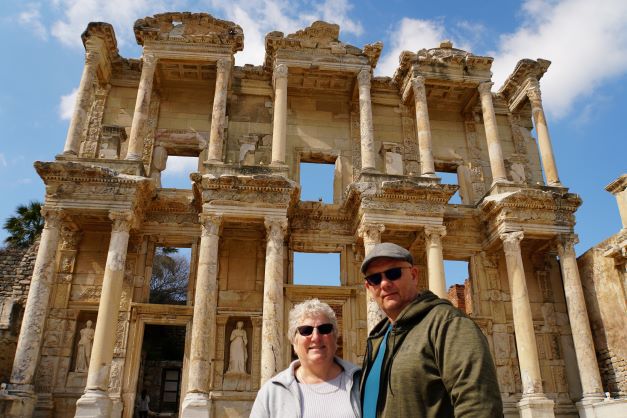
544, 139
423, 127
95, 402
272, 337
142, 108
497, 165
197, 402
279, 127
218, 115
534, 404
366, 128
371, 234
591, 384
435, 260
31, 333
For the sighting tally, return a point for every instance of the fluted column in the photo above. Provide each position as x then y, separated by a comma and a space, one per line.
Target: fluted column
218, 115
366, 127
371, 234
590, 377
544, 139
435, 260
142, 107
95, 401
197, 400
423, 127
279, 127
497, 165
33, 323
81, 106
272, 324
533, 403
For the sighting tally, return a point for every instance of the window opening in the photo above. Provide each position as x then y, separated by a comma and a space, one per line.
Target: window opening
457, 274
160, 371
316, 182
451, 178
170, 276
317, 269
177, 171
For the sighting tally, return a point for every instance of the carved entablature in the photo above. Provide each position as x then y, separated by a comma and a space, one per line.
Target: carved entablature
99, 37
186, 28
316, 45
527, 71
91, 190
172, 206
443, 63
318, 218
270, 191
537, 212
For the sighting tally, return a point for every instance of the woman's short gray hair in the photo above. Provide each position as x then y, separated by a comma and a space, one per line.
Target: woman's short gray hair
308, 309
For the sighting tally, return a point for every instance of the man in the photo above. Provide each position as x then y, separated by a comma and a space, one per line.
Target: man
426, 359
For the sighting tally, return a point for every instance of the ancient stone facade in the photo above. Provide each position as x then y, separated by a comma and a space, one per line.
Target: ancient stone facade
314, 100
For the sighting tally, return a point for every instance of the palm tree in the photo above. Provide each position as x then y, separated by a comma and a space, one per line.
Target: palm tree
25, 226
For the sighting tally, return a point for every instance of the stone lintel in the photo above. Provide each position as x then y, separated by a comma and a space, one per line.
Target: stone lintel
100, 37
617, 186
514, 90
193, 52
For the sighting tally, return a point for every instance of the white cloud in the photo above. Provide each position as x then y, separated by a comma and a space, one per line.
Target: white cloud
180, 165
3, 160
66, 105
411, 35
31, 18
24, 181
586, 42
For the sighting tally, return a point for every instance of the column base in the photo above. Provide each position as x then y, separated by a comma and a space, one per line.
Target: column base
93, 404
133, 157
537, 406
600, 407
14, 406
196, 405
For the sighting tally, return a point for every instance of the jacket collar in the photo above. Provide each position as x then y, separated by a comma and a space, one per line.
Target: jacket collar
287, 377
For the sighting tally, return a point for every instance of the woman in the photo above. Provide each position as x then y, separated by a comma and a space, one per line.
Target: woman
318, 383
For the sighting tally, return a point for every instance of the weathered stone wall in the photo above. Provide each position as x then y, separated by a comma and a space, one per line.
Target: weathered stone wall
604, 280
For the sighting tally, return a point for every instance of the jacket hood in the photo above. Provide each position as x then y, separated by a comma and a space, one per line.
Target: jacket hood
412, 314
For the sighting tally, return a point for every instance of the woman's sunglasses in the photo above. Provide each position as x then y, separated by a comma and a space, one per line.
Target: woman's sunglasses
392, 274
307, 330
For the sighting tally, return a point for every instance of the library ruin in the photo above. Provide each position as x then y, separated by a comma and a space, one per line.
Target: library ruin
92, 337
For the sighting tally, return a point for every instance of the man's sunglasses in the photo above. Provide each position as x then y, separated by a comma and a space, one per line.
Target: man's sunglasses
392, 274
307, 330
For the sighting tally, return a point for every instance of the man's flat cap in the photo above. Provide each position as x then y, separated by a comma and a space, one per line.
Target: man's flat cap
386, 250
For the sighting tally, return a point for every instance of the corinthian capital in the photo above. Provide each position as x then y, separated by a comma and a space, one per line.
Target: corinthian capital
533, 92
435, 234
223, 65
511, 241
418, 86
566, 245
371, 232
122, 220
52, 217
363, 78
280, 71
210, 224
485, 87
149, 61
275, 228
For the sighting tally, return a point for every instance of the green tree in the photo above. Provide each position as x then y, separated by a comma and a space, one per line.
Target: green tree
25, 226
170, 277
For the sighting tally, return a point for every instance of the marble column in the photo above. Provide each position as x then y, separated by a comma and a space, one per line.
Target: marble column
95, 402
591, 384
495, 153
435, 260
197, 402
272, 337
218, 115
544, 139
534, 403
82, 104
366, 127
371, 234
142, 108
279, 127
33, 323
423, 127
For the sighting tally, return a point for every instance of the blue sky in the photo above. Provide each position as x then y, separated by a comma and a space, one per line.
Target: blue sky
584, 91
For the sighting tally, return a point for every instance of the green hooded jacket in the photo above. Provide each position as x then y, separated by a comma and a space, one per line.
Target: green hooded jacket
437, 364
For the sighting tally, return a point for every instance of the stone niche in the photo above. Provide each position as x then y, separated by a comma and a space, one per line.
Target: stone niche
237, 354
81, 349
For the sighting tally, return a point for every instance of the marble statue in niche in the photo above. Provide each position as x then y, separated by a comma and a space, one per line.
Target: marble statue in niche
238, 354
83, 352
